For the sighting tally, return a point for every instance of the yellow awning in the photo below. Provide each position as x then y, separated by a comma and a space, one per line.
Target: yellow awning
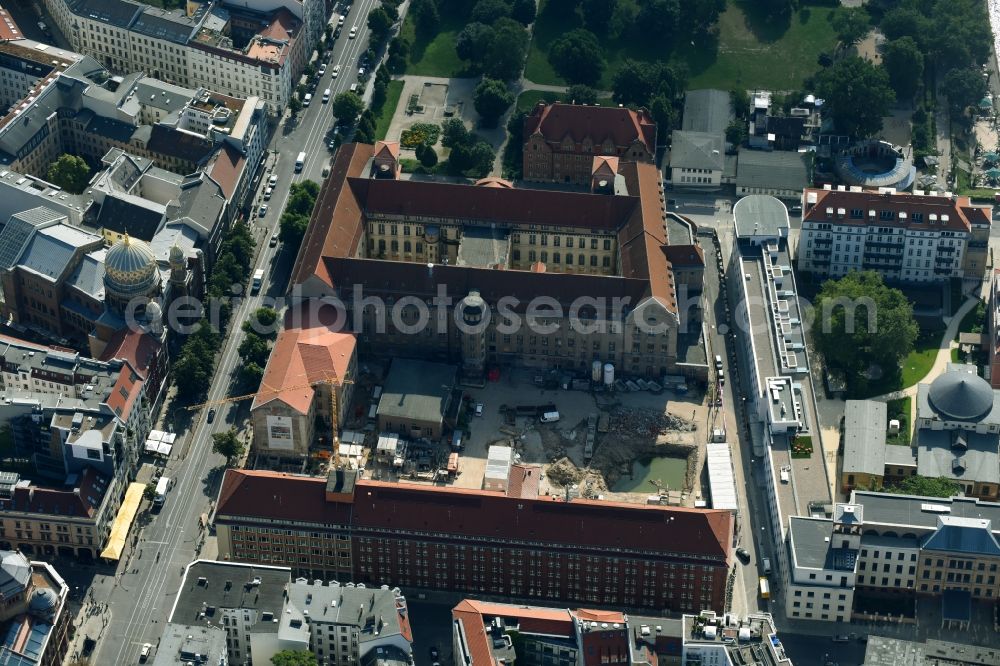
123, 521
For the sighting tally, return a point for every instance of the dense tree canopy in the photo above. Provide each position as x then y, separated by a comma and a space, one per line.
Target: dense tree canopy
473, 42
860, 322
489, 11
597, 15
857, 94
491, 99
924, 486
851, 24
904, 63
523, 11
963, 87
507, 50
380, 23
69, 172
577, 57
426, 16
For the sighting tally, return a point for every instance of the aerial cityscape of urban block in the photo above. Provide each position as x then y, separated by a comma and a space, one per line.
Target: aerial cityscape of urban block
499, 332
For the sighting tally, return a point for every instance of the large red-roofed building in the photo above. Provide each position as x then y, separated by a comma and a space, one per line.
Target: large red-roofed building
477, 541
561, 140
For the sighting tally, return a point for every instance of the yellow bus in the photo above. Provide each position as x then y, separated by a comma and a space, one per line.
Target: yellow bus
765, 589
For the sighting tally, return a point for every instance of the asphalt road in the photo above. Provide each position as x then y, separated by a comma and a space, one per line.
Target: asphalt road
141, 594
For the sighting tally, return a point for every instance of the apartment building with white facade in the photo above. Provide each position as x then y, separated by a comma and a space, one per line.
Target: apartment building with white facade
256, 48
919, 237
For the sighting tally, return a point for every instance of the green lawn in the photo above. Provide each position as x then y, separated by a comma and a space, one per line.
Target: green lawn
802, 446
899, 409
919, 361
750, 52
527, 100
392, 94
435, 57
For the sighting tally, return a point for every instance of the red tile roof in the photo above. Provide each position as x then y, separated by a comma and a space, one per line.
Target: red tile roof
531, 619
480, 513
514, 206
300, 358
830, 203
523, 481
279, 496
387, 149
336, 226
124, 393
625, 126
226, 168
8, 28
136, 347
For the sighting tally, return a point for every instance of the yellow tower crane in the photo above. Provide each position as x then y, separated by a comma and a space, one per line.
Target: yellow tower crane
333, 382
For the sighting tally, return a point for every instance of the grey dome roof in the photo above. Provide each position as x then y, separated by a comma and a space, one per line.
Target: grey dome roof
130, 268
961, 396
43, 603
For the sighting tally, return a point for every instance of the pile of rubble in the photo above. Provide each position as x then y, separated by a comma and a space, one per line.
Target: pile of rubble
647, 423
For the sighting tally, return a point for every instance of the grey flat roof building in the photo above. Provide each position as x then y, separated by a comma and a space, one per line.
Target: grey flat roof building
186, 643
760, 215
774, 170
864, 437
697, 150
707, 110
208, 588
417, 390
884, 651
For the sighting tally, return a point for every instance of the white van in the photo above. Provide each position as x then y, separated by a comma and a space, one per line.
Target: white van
373, 411
308, 98
300, 161
718, 362
354, 88
258, 280
549, 417
326, 95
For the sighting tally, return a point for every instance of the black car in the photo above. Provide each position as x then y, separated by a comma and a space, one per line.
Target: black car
743, 554
211, 415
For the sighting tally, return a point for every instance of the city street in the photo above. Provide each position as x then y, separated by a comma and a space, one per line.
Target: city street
140, 595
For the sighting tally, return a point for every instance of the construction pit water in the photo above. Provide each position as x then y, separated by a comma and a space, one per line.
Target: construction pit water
669, 471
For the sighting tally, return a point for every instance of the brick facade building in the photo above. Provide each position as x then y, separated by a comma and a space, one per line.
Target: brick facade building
477, 542
561, 140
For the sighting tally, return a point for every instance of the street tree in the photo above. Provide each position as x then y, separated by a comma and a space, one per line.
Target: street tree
347, 106
523, 11
597, 15
380, 23
664, 113
860, 322
851, 25
904, 63
398, 52
857, 94
251, 375
149, 492
491, 99
261, 322
294, 105
292, 229
69, 172
228, 445
963, 87
253, 348
577, 57
581, 94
